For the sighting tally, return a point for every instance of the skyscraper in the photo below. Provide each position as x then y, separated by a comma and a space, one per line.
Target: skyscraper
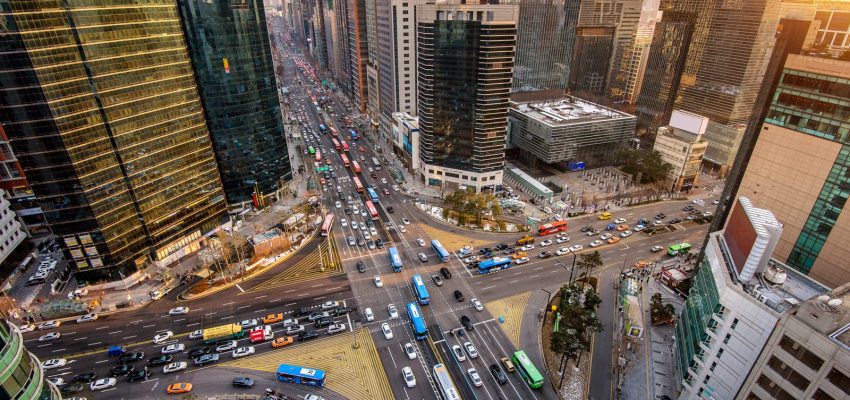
23, 375
231, 56
358, 52
465, 59
591, 58
102, 109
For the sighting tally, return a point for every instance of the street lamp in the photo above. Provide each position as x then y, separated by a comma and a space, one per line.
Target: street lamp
548, 298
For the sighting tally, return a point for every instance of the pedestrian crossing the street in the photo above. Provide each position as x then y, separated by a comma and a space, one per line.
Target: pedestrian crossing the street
322, 263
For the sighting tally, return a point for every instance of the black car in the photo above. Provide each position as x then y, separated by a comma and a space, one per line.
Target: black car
347, 211
458, 296
674, 221
243, 382
131, 357
467, 324
343, 311
544, 254
71, 388
160, 360
498, 374
361, 267
86, 377
687, 208
302, 312
484, 250
138, 375
587, 228
323, 322
206, 359
379, 243
660, 216
445, 272
197, 352
307, 335
121, 370
361, 242
390, 210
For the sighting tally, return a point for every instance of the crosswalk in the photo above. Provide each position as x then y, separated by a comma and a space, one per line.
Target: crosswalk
322, 263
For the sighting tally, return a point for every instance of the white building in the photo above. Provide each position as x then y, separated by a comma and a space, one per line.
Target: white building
405, 139
681, 145
11, 231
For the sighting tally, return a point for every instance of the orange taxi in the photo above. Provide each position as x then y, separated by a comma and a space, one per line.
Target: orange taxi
641, 264
272, 318
180, 387
622, 227
614, 240
282, 341
518, 255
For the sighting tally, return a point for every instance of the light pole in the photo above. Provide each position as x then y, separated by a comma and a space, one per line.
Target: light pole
548, 298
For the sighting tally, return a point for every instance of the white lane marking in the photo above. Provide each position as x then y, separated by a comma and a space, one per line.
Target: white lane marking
101, 361
196, 323
260, 297
95, 343
129, 337
240, 288
101, 327
228, 303
81, 338
148, 326
488, 287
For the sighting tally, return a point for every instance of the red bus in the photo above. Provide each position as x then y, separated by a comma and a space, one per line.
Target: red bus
333, 131
318, 156
328, 224
552, 227
358, 185
355, 166
336, 144
344, 146
345, 160
372, 210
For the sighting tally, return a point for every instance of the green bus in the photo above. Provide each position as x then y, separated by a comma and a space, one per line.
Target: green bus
528, 371
678, 248
311, 150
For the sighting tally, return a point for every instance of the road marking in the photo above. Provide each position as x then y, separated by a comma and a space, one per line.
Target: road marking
112, 333
102, 327
316, 285
108, 390
155, 385
58, 350
128, 337
488, 287
69, 333
148, 326
42, 345
210, 313
290, 304
240, 288
228, 303
196, 323
514, 281
319, 298
226, 317
243, 307
260, 297
95, 343
391, 357
101, 361
81, 338
290, 290
276, 300
260, 310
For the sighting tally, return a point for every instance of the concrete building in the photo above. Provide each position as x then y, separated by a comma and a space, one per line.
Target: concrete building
735, 301
568, 130
681, 145
808, 354
833, 31
21, 372
12, 233
405, 140
357, 52
800, 164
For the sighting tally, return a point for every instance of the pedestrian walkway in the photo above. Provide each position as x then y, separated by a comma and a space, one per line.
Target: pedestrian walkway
511, 309
350, 361
324, 262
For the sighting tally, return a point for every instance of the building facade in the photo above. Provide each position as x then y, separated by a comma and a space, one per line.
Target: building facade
465, 63
591, 60
123, 145
23, 377
231, 56
357, 53
681, 145
405, 139
567, 130
12, 232
833, 19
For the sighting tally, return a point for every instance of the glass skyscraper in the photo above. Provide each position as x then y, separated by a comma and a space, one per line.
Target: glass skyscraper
231, 56
21, 372
101, 107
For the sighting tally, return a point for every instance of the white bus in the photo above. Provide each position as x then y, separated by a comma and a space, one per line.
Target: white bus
444, 382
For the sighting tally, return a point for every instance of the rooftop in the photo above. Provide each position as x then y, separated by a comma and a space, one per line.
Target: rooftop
265, 236
568, 111
829, 314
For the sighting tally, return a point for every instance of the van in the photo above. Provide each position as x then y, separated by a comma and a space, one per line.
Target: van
368, 313
605, 216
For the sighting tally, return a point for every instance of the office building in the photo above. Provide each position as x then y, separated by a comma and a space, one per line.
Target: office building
120, 158
231, 56
808, 354
405, 139
833, 33
735, 300
12, 232
12, 175
23, 376
20, 196
465, 63
373, 105
799, 164
567, 130
591, 58
681, 145
357, 52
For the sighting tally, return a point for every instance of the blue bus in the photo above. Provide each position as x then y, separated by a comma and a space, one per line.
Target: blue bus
420, 332
373, 195
395, 260
323, 128
493, 263
442, 254
302, 375
354, 135
421, 291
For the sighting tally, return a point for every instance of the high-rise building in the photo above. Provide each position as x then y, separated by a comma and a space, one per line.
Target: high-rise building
11, 230
465, 57
112, 137
681, 145
341, 64
833, 18
12, 175
591, 58
358, 53
23, 375
231, 56
373, 105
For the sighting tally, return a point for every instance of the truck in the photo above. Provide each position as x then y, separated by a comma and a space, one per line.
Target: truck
524, 240
261, 334
223, 332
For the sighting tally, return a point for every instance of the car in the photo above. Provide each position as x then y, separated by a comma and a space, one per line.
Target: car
388, 333
378, 282
196, 334
706, 214
596, 243
660, 216
243, 382
174, 367
476, 304
409, 378
390, 209
405, 221
384, 181
527, 247
458, 295
687, 208
437, 280
544, 254
102, 384
370, 316
562, 251
54, 363
473, 375
545, 242
86, 318
351, 241
131, 357
336, 328
420, 242
56, 381
466, 322
49, 337
656, 249
249, 323
562, 239
139, 375
622, 227
341, 311
273, 318
470, 349
361, 242
315, 316
49, 325
423, 257
380, 243
386, 191
457, 351
291, 330
173, 348
337, 204
614, 240
392, 310
576, 247
25, 328
605, 236
639, 228
410, 350
243, 351
470, 260
498, 374
307, 335
206, 359
361, 267
179, 388
625, 234
592, 232
521, 260
620, 221
322, 322
226, 346
85, 377
160, 360
658, 223
330, 304
72, 388
162, 337
283, 341
715, 202
344, 222
446, 273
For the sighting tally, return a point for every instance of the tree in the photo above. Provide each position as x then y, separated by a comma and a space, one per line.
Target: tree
660, 312
589, 261
578, 321
645, 166
472, 206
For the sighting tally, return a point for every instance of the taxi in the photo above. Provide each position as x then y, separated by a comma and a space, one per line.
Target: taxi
180, 387
282, 341
272, 318
614, 240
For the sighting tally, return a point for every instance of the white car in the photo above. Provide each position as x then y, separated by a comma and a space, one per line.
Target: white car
605, 236
527, 247
57, 381
458, 353
384, 181
174, 367
626, 234
378, 281
162, 336
545, 242
477, 304
405, 221
420, 242
521, 261
54, 363
715, 202
409, 379
423, 257
353, 225
576, 247
562, 251
410, 351
392, 310
330, 305
249, 323
227, 346
620, 221
465, 250
471, 259
49, 325
291, 330
562, 239
656, 249
344, 222
396, 188
388, 333
196, 334
173, 348
473, 375
50, 336
367, 312
243, 351
338, 204
596, 243
639, 228
86, 318
373, 230
26, 328
470, 349
178, 311
104, 383
78, 293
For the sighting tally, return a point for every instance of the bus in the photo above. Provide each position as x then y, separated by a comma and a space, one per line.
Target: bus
376, 164
223, 332
302, 375
358, 185
395, 259
373, 195
318, 156
444, 382
527, 370
552, 227
373, 212
355, 166
345, 160
328, 224
311, 150
336, 144
678, 248
496, 262
420, 331
353, 134
344, 146
334, 131
442, 254
421, 291
323, 128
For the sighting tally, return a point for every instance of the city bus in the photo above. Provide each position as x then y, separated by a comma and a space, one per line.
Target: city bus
357, 184
678, 248
373, 212
420, 331
223, 332
334, 131
328, 224
318, 156
344, 146
527, 370
376, 164
421, 291
442, 254
336, 144
353, 134
444, 382
494, 263
323, 128
395, 259
373, 195
355, 166
345, 160
311, 150
302, 375
552, 227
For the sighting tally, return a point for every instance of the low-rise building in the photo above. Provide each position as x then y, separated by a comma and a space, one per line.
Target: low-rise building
12, 233
682, 146
405, 139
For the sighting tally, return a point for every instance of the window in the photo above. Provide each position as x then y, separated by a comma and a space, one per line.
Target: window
707, 378
734, 323
840, 380
713, 365
719, 353
808, 358
726, 340
788, 373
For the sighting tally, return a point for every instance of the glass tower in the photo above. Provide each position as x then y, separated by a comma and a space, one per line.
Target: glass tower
21, 372
231, 56
101, 107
